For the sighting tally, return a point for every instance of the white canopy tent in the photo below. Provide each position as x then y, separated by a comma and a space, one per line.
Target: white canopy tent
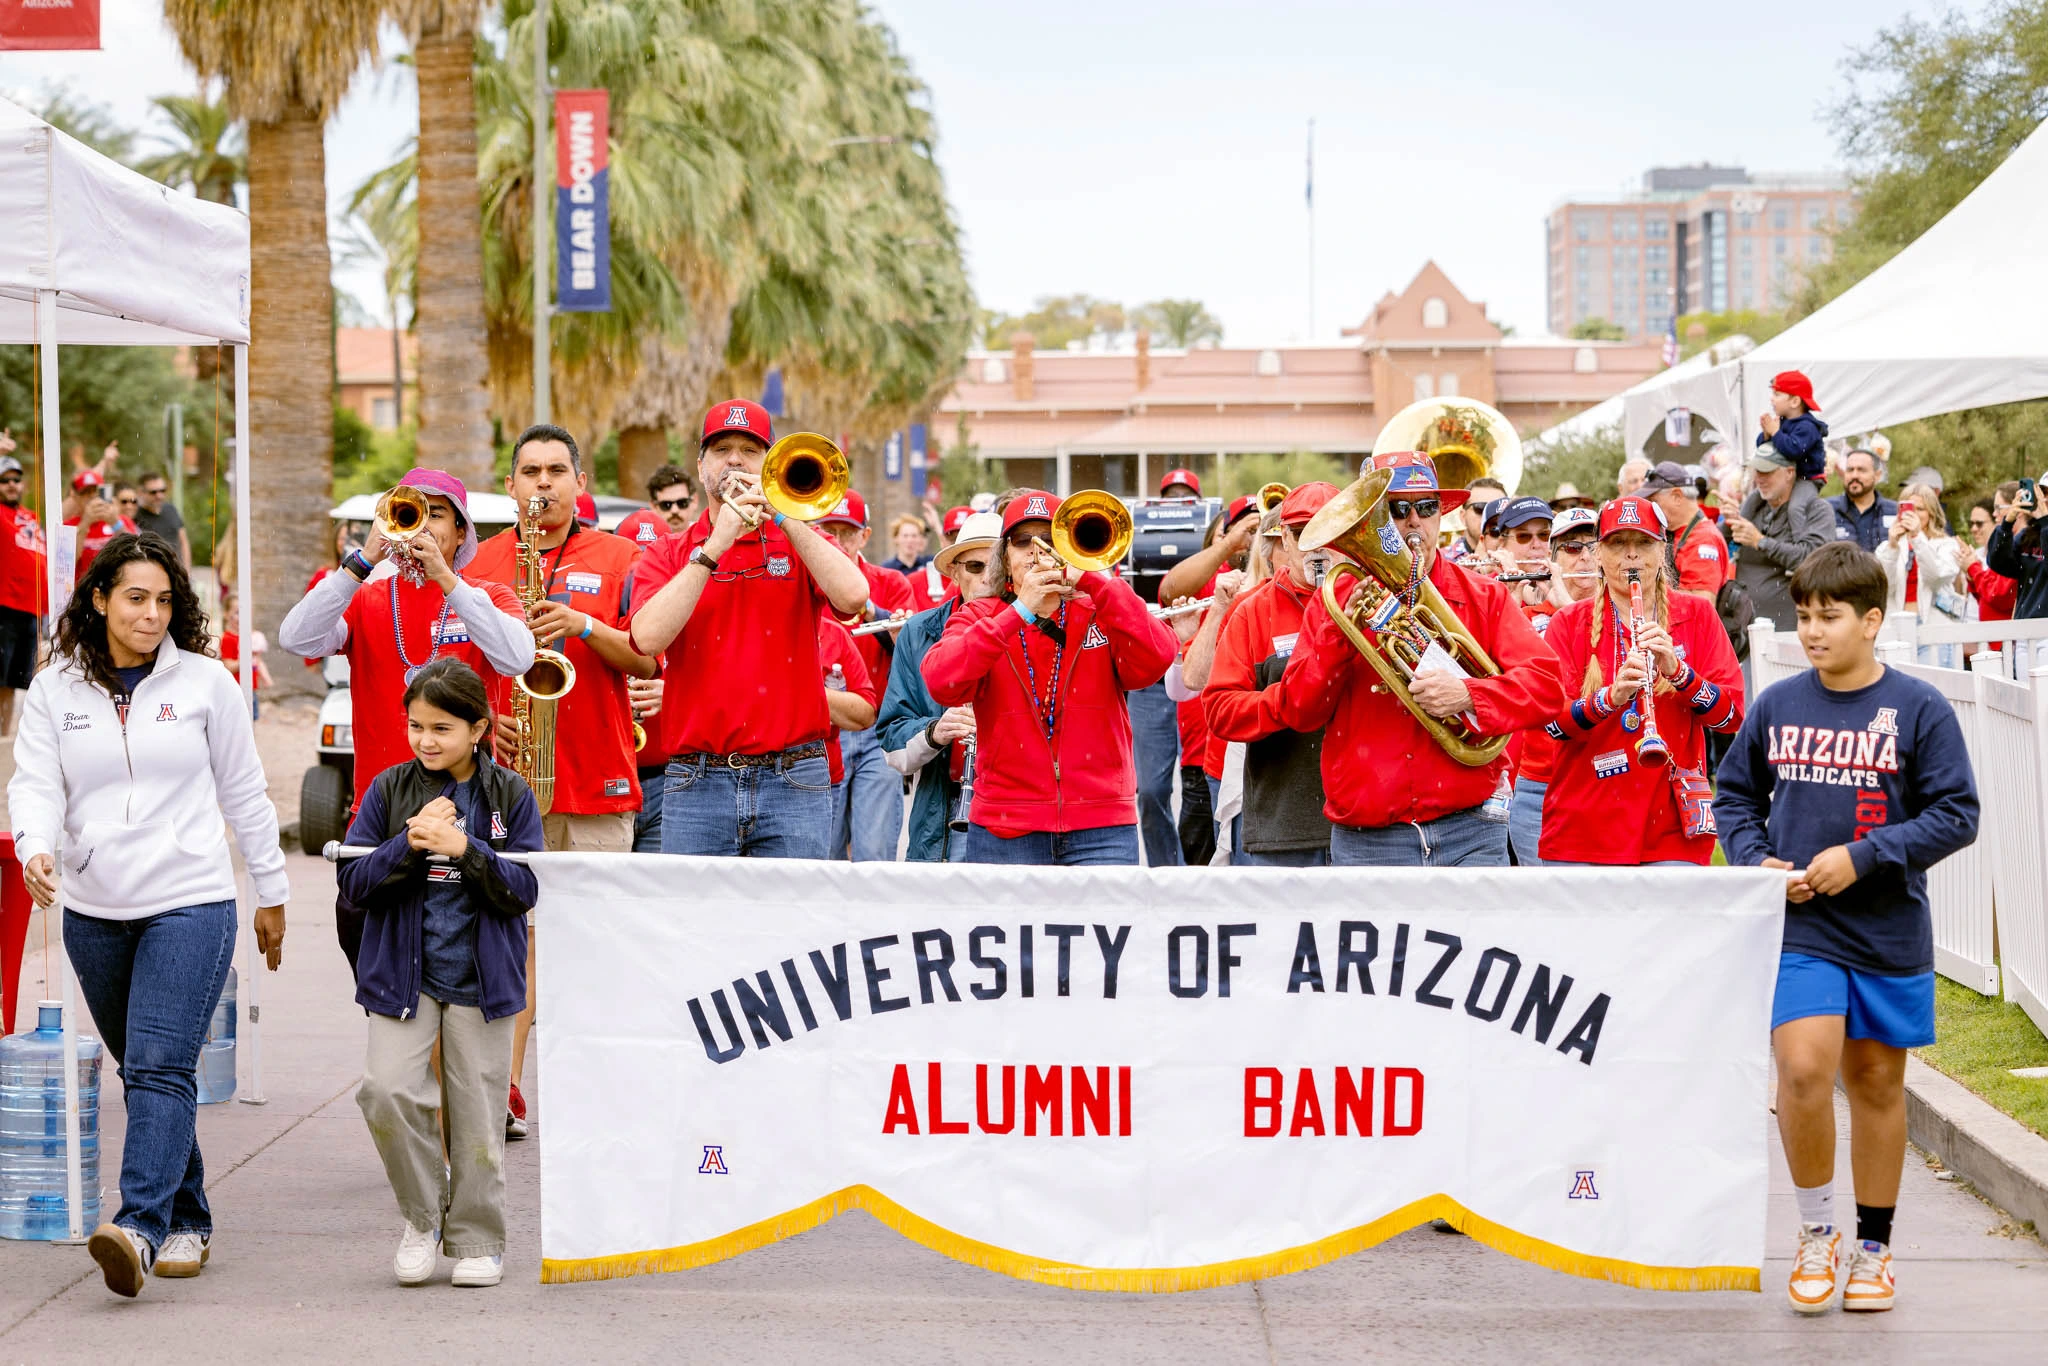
1952, 322
1611, 411
99, 255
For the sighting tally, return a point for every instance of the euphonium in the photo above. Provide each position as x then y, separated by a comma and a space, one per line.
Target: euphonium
1395, 614
1091, 530
1651, 749
547, 681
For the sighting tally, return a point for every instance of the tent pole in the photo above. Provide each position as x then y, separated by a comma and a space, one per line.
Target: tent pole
53, 508
245, 623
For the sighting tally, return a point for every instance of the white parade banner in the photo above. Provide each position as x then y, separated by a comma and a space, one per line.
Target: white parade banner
1127, 1079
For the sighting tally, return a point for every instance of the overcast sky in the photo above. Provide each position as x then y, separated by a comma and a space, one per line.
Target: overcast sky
1134, 150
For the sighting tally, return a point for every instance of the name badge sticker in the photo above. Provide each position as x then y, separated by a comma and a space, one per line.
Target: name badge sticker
1284, 645
1612, 764
577, 581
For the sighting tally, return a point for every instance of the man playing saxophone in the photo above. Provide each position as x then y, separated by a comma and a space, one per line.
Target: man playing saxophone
1393, 792
575, 585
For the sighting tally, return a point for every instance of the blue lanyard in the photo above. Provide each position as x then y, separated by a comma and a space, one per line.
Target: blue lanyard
1047, 706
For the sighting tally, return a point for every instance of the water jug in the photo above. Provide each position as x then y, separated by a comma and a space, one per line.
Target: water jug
33, 1187
217, 1054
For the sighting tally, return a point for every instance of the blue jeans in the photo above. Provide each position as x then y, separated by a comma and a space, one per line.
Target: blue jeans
1109, 844
1462, 839
1155, 750
1525, 821
151, 985
868, 806
747, 812
647, 825
1288, 858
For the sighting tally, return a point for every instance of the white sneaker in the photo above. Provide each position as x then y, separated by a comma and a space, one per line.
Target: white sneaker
123, 1255
478, 1271
183, 1254
417, 1255
1815, 1267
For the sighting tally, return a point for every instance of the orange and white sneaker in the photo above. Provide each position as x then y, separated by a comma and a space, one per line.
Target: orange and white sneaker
1812, 1287
1871, 1284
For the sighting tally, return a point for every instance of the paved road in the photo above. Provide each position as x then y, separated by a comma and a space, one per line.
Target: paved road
302, 1270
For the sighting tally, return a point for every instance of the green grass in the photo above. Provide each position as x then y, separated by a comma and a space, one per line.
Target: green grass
1980, 1039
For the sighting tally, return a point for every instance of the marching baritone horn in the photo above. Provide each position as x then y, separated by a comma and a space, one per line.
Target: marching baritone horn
1396, 616
804, 475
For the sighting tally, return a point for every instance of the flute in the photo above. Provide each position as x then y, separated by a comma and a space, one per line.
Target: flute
875, 628
1167, 613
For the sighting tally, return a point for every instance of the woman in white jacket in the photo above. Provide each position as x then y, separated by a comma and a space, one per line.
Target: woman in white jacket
132, 745
1920, 545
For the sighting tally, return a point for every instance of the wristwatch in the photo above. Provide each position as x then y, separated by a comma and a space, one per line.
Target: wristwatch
699, 556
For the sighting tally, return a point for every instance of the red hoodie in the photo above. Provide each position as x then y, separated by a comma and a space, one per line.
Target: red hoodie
1082, 778
1604, 805
1380, 767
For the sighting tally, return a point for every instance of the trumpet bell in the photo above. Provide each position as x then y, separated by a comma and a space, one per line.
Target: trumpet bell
804, 475
1092, 530
1271, 496
401, 514
1464, 438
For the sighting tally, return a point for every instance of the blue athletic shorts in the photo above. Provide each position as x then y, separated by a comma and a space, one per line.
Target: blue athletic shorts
1898, 1011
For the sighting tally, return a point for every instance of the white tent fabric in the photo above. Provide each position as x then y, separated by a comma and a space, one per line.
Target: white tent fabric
1951, 322
1610, 412
134, 263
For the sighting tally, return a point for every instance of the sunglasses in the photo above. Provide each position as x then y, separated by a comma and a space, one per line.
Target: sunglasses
1019, 541
672, 504
1400, 509
1571, 547
971, 566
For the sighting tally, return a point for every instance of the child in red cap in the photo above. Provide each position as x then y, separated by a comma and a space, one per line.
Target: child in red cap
1791, 428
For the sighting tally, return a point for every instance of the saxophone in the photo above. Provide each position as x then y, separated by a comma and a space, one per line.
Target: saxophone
547, 681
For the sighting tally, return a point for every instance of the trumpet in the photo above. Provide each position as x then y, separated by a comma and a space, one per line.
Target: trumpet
1651, 749
401, 517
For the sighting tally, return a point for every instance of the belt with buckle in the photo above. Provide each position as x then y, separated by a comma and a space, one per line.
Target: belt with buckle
777, 758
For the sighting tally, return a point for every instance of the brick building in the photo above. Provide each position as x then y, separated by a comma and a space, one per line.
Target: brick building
1117, 420
1708, 239
362, 367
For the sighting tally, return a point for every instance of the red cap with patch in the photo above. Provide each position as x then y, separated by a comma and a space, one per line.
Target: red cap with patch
852, 510
1795, 383
1415, 473
1181, 477
1304, 501
950, 523
1238, 508
738, 415
1032, 505
1632, 513
86, 479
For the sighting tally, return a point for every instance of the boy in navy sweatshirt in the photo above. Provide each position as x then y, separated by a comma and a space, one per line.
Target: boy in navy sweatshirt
1791, 427
1853, 779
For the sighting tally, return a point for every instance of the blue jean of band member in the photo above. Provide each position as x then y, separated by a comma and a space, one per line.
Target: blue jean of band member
1525, 821
764, 812
647, 825
869, 803
1109, 844
1155, 750
1461, 839
1287, 858
151, 985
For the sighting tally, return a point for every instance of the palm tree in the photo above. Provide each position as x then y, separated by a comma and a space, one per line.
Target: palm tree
1180, 322
285, 65
206, 153
448, 307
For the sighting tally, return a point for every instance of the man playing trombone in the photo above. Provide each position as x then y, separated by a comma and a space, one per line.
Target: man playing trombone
733, 603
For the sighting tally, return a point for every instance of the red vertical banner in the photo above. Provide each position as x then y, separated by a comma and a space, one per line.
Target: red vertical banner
49, 25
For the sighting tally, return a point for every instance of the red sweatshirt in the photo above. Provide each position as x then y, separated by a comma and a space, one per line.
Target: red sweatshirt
1081, 778
1995, 593
1604, 804
1380, 767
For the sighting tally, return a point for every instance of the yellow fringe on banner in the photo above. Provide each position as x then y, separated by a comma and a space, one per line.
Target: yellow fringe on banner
1150, 1280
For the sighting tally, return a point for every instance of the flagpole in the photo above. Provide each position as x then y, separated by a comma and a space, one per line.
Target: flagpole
1311, 196
543, 205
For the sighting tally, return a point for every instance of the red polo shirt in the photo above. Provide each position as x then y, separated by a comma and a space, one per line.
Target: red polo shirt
376, 675
1702, 556
887, 590
743, 675
836, 645
643, 528
591, 572
22, 564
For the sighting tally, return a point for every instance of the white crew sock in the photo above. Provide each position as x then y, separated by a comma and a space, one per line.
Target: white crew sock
1816, 1204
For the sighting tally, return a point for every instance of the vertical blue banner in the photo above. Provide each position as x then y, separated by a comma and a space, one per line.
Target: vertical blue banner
892, 458
583, 225
918, 463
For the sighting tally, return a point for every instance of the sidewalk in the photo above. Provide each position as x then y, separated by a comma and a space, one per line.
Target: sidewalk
301, 1268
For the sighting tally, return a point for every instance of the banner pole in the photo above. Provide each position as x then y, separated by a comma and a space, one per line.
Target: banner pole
543, 205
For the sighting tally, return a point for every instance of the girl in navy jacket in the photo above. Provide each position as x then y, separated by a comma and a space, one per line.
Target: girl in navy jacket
443, 964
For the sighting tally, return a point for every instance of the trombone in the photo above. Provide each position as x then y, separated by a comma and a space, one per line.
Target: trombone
803, 476
1091, 530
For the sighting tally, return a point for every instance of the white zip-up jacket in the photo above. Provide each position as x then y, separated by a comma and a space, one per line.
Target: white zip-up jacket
137, 805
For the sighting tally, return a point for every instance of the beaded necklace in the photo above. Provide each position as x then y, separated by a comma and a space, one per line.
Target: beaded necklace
398, 634
1047, 706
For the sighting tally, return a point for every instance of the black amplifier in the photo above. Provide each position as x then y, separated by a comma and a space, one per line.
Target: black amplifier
1165, 531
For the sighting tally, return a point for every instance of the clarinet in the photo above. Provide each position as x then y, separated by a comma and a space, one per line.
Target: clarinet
1651, 749
957, 822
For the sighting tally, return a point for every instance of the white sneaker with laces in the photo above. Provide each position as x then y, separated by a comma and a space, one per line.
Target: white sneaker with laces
478, 1271
1815, 1268
183, 1254
417, 1255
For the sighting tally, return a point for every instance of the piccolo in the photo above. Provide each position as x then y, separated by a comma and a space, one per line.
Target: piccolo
1166, 613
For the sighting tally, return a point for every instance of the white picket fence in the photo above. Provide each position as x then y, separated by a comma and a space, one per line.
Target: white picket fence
1990, 901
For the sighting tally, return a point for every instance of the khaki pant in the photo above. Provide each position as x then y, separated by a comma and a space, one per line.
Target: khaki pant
401, 1104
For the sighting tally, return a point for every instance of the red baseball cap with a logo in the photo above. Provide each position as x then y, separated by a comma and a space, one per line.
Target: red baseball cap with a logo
86, 479
1031, 505
1415, 473
1632, 513
738, 415
951, 522
1795, 383
1304, 501
1181, 477
852, 510
1238, 508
